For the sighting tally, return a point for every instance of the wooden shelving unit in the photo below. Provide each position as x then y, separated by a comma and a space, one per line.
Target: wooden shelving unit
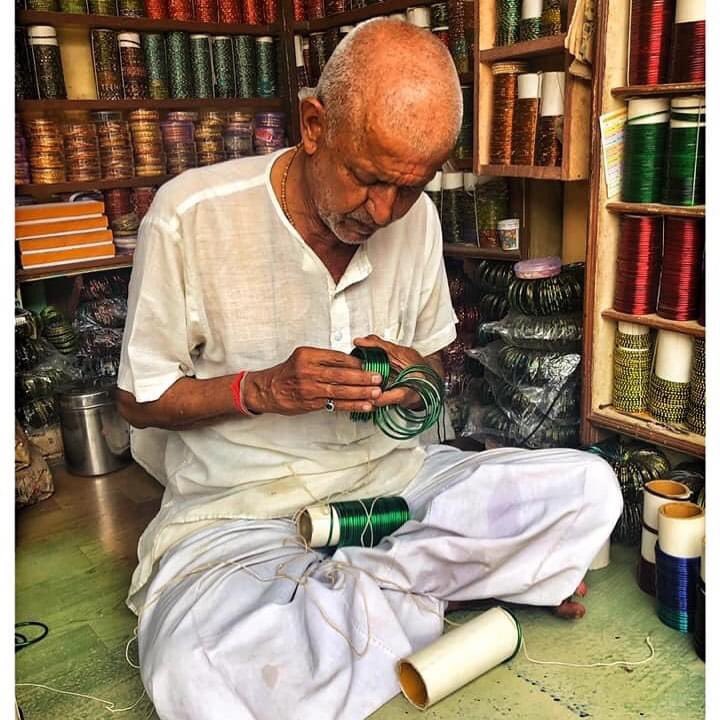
169, 104
119, 261
115, 22
46, 190
655, 209
547, 53
460, 250
664, 90
377, 9
610, 93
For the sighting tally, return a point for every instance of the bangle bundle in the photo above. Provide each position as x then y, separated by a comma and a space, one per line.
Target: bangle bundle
395, 421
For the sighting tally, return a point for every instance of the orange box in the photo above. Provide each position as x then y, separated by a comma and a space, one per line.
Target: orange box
48, 258
65, 242
50, 211
43, 228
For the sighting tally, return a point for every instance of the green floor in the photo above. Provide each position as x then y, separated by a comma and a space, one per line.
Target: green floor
76, 550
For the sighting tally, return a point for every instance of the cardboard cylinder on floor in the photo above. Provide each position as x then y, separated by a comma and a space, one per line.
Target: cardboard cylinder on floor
657, 493
319, 526
463, 654
648, 540
602, 559
681, 529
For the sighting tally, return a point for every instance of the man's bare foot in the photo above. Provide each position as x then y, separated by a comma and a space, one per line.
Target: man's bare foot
570, 609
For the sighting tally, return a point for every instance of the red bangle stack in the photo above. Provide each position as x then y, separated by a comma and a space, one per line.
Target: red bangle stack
237, 392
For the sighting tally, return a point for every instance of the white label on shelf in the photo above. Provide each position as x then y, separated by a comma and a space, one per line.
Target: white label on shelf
612, 132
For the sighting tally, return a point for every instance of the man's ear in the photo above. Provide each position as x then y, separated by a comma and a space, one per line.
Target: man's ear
313, 123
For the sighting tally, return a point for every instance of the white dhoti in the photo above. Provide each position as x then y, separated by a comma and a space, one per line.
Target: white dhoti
242, 622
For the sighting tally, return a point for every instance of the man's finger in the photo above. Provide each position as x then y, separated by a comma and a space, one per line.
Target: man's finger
398, 396
343, 376
346, 392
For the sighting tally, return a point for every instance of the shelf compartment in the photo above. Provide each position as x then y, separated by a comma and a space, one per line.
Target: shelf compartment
691, 327
462, 250
655, 209
535, 172
628, 91
115, 22
378, 9
34, 274
44, 190
644, 427
169, 104
552, 44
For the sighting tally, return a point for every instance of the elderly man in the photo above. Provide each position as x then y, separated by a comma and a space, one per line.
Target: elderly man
253, 281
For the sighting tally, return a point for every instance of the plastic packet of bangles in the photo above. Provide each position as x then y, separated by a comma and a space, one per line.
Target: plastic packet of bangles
554, 333
99, 342
27, 324
520, 366
38, 413
104, 285
105, 312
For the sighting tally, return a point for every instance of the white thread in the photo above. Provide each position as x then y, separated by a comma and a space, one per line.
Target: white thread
108, 704
127, 649
627, 663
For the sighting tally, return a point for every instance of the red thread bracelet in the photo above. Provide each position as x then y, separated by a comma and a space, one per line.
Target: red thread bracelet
237, 394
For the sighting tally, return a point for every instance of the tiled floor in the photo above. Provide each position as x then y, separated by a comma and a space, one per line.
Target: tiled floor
75, 553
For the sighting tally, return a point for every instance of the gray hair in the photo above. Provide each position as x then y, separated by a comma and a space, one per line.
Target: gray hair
346, 78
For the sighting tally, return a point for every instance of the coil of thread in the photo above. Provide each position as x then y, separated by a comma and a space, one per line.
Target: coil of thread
147, 142
180, 9
551, 18
696, 402
651, 24
156, 9
42, 5
179, 67
507, 22
116, 153
222, 66
271, 11
25, 88
179, 143
299, 10
132, 66
122, 218
505, 93
209, 138
229, 11
245, 65
141, 198
201, 63
464, 143
549, 146
530, 25
46, 159
670, 380
685, 177
459, 48
451, 207
206, 11
265, 79
252, 13
334, 7
315, 9
106, 58
108, 7
491, 206
238, 136
699, 633
300, 69
318, 55
688, 44
525, 119
632, 362
638, 264
73, 6
467, 210
82, 153
47, 65
644, 159
269, 132
156, 65
22, 166
131, 8
681, 268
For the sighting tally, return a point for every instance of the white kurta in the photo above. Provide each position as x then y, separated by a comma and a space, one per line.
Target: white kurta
221, 283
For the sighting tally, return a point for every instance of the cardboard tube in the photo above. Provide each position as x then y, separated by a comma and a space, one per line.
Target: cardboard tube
435, 185
419, 16
528, 86
452, 180
531, 9
681, 529
673, 356
553, 94
658, 492
319, 526
469, 181
689, 11
648, 540
602, 559
633, 328
458, 657
648, 111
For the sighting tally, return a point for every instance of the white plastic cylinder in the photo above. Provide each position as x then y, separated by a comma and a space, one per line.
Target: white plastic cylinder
689, 11
458, 657
419, 16
691, 111
436, 184
129, 39
469, 181
681, 529
528, 86
398, 16
633, 328
648, 111
531, 9
319, 526
553, 94
657, 493
452, 180
42, 35
673, 356
299, 60
602, 559
648, 540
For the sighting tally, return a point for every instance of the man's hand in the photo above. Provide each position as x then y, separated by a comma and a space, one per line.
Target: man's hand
400, 357
307, 379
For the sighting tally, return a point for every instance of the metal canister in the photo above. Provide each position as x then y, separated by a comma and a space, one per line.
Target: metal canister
95, 437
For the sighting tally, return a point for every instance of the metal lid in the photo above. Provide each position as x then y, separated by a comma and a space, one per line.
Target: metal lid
83, 397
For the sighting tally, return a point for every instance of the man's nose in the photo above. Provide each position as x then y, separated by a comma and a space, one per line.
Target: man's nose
380, 203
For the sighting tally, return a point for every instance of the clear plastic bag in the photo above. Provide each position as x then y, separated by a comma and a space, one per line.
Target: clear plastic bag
558, 333
106, 312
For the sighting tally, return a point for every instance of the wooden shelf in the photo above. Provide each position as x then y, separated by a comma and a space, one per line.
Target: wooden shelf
656, 209
691, 327
530, 48
523, 171
461, 250
119, 261
378, 9
52, 188
169, 104
466, 78
644, 427
115, 22
628, 91
465, 165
